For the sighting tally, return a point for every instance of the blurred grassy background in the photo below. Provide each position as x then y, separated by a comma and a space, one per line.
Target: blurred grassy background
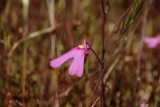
32, 32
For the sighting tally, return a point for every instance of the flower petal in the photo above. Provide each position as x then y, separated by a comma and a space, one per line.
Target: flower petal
77, 65
151, 42
79, 72
60, 60
84, 43
85, 46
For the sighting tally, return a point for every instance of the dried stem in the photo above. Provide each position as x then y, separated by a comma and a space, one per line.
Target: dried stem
95, 102
105, 11
50, 5
24, 63
30, 36
111, 68
143, 33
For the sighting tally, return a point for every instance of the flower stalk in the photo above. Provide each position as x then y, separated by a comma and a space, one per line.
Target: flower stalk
104, 11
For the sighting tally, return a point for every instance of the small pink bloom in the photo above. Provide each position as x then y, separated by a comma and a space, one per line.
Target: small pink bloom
77, 54
153, 42
144, 105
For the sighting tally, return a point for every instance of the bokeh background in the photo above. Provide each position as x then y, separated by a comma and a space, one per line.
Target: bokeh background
32, 32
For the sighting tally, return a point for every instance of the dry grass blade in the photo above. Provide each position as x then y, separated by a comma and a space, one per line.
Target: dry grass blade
130, 17
30, 36
128, 21
111, 68
95, 102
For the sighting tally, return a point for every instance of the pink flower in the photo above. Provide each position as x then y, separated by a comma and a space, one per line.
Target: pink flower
153, 42
77, 56
144, 105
